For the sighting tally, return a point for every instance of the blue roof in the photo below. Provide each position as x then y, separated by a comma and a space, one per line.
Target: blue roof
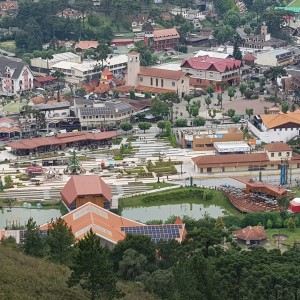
289, 8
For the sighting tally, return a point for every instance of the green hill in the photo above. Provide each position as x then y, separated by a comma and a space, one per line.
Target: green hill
27, 278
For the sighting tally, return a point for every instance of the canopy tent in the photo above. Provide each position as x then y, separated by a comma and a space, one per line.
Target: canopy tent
295, 205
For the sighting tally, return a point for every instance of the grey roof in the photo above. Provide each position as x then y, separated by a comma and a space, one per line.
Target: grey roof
108, 108
57, 105
12, 64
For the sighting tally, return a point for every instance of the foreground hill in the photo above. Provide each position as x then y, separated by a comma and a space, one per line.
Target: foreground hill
27, 278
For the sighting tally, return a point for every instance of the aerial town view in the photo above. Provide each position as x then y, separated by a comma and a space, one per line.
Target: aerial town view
150, 149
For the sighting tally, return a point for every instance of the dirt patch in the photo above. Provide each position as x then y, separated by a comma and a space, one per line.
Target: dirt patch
279, 238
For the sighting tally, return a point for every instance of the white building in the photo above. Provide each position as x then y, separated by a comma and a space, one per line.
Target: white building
75, 72
273, 58
15, 77
39, 63
188, 13
279, 127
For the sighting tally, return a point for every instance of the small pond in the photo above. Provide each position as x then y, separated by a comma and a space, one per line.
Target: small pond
21, 215
163, 212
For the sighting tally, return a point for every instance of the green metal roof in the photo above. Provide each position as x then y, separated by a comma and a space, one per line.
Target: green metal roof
289, 8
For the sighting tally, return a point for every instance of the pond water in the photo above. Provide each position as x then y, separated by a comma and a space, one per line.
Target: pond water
21, 215
163, 212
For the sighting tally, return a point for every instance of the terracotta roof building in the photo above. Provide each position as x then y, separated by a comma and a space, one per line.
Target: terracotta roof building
271, 159
112, 228
280, 127
211, 70
155, 80
86, 188
60, 142
251, 235
161, 39
84, 45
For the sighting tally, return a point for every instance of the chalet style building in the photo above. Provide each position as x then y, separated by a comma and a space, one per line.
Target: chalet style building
211, 70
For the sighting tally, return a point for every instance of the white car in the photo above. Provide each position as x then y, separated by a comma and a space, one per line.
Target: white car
243, 121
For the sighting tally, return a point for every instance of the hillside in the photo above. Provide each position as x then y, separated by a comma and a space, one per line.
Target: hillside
26, 278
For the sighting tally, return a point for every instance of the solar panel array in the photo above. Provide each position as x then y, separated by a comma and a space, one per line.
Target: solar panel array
156, 232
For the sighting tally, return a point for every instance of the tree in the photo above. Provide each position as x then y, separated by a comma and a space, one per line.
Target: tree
188, 98
219, 223
180, 123
269, 224
249, 112
262, 83
224, 34
34, 243
101, 53
93, 270
207, 102
8, 182
126, 127
284, 107
231, 93
83, 6
251, 85
46, 55
1, 185
132, 264
242, 88
273, 74
210, 90
237, 54
231, 112
212, 113
161, 125
60, 240
199, 121
60, 76
291, 225
247, 30
159, 108
144, 126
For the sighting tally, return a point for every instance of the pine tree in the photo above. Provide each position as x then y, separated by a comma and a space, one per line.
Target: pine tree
93, 270
237, 54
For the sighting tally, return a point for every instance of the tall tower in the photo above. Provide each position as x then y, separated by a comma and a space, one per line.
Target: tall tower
133, 68
264, 29
149, 36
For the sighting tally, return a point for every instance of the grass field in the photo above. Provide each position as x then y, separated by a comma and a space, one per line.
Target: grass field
13, 107
294, 236
218, 199
8, 46
295, 3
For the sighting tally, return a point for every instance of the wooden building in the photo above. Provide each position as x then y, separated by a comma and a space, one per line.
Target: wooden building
81, 189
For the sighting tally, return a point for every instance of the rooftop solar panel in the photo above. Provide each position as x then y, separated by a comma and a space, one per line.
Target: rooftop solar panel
156, 232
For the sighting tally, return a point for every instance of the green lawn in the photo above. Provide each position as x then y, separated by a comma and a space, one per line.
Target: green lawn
8, 46
295, 3
294, 236
13, 107
180, 195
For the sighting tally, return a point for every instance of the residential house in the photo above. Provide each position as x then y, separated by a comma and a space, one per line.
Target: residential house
9, 128
70, 13
9, 8
15, 77
102, 115
45, 82
39, 64
81, 46
81, 189
138, 21
155, 80
272, 158
161, 39
212, 70
274, 58
188, 13
280, 127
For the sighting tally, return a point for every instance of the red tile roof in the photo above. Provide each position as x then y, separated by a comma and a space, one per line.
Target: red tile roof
161, 73
277, 146
60, 139
249, 57
6, 120
84, 45
155, 90
84, 185
211, 63
44, 79
38, 100
106, 71
104, 223
251, 233
163, 34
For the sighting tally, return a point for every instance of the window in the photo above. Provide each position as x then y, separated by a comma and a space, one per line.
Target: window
288, 154
156, 81
162, 83
151, 81
173, 83
279, 153
141, 79
83, 117
272, 154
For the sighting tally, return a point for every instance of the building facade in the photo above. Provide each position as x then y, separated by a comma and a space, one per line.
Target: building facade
211, 70
274, 58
